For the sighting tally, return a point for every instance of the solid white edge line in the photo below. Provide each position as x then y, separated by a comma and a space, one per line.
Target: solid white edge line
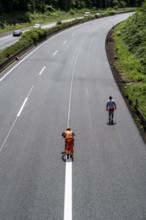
19, 113
42, 71
68, 192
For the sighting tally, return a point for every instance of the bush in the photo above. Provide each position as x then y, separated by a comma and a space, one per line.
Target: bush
72, 12
33, 36
131, 52
137, 91
58, 22
49, 8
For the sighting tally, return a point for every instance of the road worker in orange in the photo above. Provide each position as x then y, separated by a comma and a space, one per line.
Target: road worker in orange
69, 141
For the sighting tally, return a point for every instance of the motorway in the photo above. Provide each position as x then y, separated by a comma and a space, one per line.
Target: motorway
66, 81
7, 39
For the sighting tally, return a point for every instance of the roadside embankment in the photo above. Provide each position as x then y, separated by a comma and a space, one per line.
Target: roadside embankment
129, 72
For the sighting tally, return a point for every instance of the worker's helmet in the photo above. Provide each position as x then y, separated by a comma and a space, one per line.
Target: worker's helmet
110, 97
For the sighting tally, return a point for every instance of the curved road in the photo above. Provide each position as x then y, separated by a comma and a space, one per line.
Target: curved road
66, 81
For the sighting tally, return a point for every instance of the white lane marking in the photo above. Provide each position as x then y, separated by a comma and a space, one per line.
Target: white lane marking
8, 134
55, 52
19, 113
64, 42
71, 86
2, 78
16, 117
68, 172
40, 73
68, 192
24, 103
30, 91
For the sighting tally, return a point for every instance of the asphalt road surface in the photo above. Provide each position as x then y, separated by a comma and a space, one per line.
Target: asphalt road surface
66, 81
7, 39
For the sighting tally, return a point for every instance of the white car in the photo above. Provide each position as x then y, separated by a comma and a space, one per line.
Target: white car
17, 33
86, 14
37, 26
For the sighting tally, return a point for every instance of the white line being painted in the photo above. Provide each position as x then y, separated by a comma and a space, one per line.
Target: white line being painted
55, 52
40, 73
68, 171
68, 192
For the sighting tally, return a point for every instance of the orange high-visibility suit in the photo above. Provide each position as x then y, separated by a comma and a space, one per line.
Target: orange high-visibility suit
69, 141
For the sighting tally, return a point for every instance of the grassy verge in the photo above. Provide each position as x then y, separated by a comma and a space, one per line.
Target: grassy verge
131, 69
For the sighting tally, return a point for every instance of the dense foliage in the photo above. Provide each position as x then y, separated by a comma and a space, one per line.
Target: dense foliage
134, 35
130, 39
44, 5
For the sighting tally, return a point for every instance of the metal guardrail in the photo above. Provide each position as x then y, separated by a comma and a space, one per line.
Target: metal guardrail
140, 115
8, 61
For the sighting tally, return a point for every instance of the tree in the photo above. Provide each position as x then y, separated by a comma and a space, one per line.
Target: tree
7, 6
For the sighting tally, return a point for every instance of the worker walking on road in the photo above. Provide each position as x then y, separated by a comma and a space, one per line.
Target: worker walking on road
111, 107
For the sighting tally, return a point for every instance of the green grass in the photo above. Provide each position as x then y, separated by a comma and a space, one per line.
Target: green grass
137, 91
130, 65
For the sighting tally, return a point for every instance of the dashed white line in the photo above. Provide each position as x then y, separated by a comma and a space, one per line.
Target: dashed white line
19, 113
2, 78
30, 91
8, 134
64, 42
40, 73
55, 52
